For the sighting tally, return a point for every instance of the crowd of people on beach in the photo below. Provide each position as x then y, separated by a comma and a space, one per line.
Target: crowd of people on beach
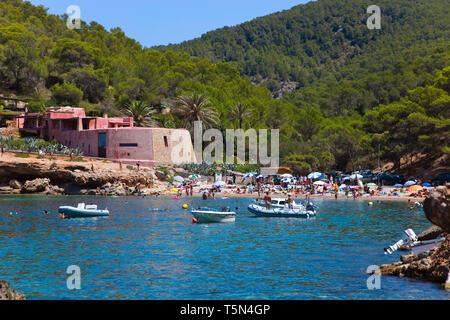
297, 187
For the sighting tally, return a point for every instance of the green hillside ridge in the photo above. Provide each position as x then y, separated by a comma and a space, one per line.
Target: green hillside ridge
391, 93
325, 38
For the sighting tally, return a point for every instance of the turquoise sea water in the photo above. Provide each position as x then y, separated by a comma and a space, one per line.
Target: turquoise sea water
149, 249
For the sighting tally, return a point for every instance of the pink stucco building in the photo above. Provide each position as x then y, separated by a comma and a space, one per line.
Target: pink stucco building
115, 139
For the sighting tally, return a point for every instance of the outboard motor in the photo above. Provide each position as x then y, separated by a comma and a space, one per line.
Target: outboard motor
409, 238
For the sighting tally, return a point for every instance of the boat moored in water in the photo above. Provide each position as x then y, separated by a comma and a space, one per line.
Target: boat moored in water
82, 211
299, 211
208, 215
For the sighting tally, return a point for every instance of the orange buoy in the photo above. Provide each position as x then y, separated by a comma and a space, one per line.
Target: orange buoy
194, 221
63, 216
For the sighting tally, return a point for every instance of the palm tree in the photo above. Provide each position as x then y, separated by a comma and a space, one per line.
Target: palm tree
195, 107
141, 113
241, 112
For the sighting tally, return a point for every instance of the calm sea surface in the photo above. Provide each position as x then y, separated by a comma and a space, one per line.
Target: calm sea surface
149, 249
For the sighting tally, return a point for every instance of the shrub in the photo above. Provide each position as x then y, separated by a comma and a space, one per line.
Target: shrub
22, 155
77, 159
66, 94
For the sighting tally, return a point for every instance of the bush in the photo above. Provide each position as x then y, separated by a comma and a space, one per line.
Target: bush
66, 94
22, 155
78, 159
36, 106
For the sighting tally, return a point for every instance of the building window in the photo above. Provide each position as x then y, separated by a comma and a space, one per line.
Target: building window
166, 142
128, 145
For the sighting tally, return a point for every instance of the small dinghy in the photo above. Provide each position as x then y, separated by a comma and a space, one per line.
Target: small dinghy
276, 212
208, 215
82, 211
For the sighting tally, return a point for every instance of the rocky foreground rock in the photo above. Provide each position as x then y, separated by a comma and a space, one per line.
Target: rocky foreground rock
33, 176
8, 293
437, 207
433, 265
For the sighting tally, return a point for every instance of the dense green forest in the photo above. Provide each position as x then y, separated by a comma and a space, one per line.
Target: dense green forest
360, 94
325, 39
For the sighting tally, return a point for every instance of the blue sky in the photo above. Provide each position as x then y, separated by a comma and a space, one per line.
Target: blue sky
160, 22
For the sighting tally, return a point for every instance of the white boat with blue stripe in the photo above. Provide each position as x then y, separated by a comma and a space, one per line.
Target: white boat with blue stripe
280, 209
82, 211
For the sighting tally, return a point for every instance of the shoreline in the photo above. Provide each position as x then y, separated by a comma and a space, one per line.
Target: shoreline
222, 196
61, 176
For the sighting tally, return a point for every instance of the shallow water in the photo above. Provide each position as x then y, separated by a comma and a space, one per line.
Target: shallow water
145, 252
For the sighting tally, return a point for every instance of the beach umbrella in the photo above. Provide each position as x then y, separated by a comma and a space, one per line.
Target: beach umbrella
219, 184
426, 184
178, 179
343, 186
319, 183
286, 175
250, 175
415, 188
356, 176
261, 176
398, 185
314, 175
410, 183
195, 176
371, 184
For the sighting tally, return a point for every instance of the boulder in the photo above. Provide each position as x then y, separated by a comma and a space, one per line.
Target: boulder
15, 184
431, 233
8, 293
181, 172
36, 185
161, 175
437, 207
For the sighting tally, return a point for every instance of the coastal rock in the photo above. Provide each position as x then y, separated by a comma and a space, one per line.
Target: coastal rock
181, 172
433, 265
431, 233
161, 175
8, 190
36, 185
437, 207
15, 184
44, 176
8, 293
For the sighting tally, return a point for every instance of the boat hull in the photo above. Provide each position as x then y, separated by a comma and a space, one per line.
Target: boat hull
214, 217
71, 213
260, 211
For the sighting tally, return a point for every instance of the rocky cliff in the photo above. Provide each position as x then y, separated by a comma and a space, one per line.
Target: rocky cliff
64, 177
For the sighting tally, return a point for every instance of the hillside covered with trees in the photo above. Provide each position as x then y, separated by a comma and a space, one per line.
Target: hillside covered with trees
360, 94
324, 39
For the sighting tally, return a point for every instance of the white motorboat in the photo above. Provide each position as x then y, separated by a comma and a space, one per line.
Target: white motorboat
283, 212
282, 203
208, 215
82, 211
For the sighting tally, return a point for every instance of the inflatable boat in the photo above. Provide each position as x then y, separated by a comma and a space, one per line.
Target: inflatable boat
276, 212
82, 211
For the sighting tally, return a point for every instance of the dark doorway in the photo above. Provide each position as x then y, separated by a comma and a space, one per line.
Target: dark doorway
102, 145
